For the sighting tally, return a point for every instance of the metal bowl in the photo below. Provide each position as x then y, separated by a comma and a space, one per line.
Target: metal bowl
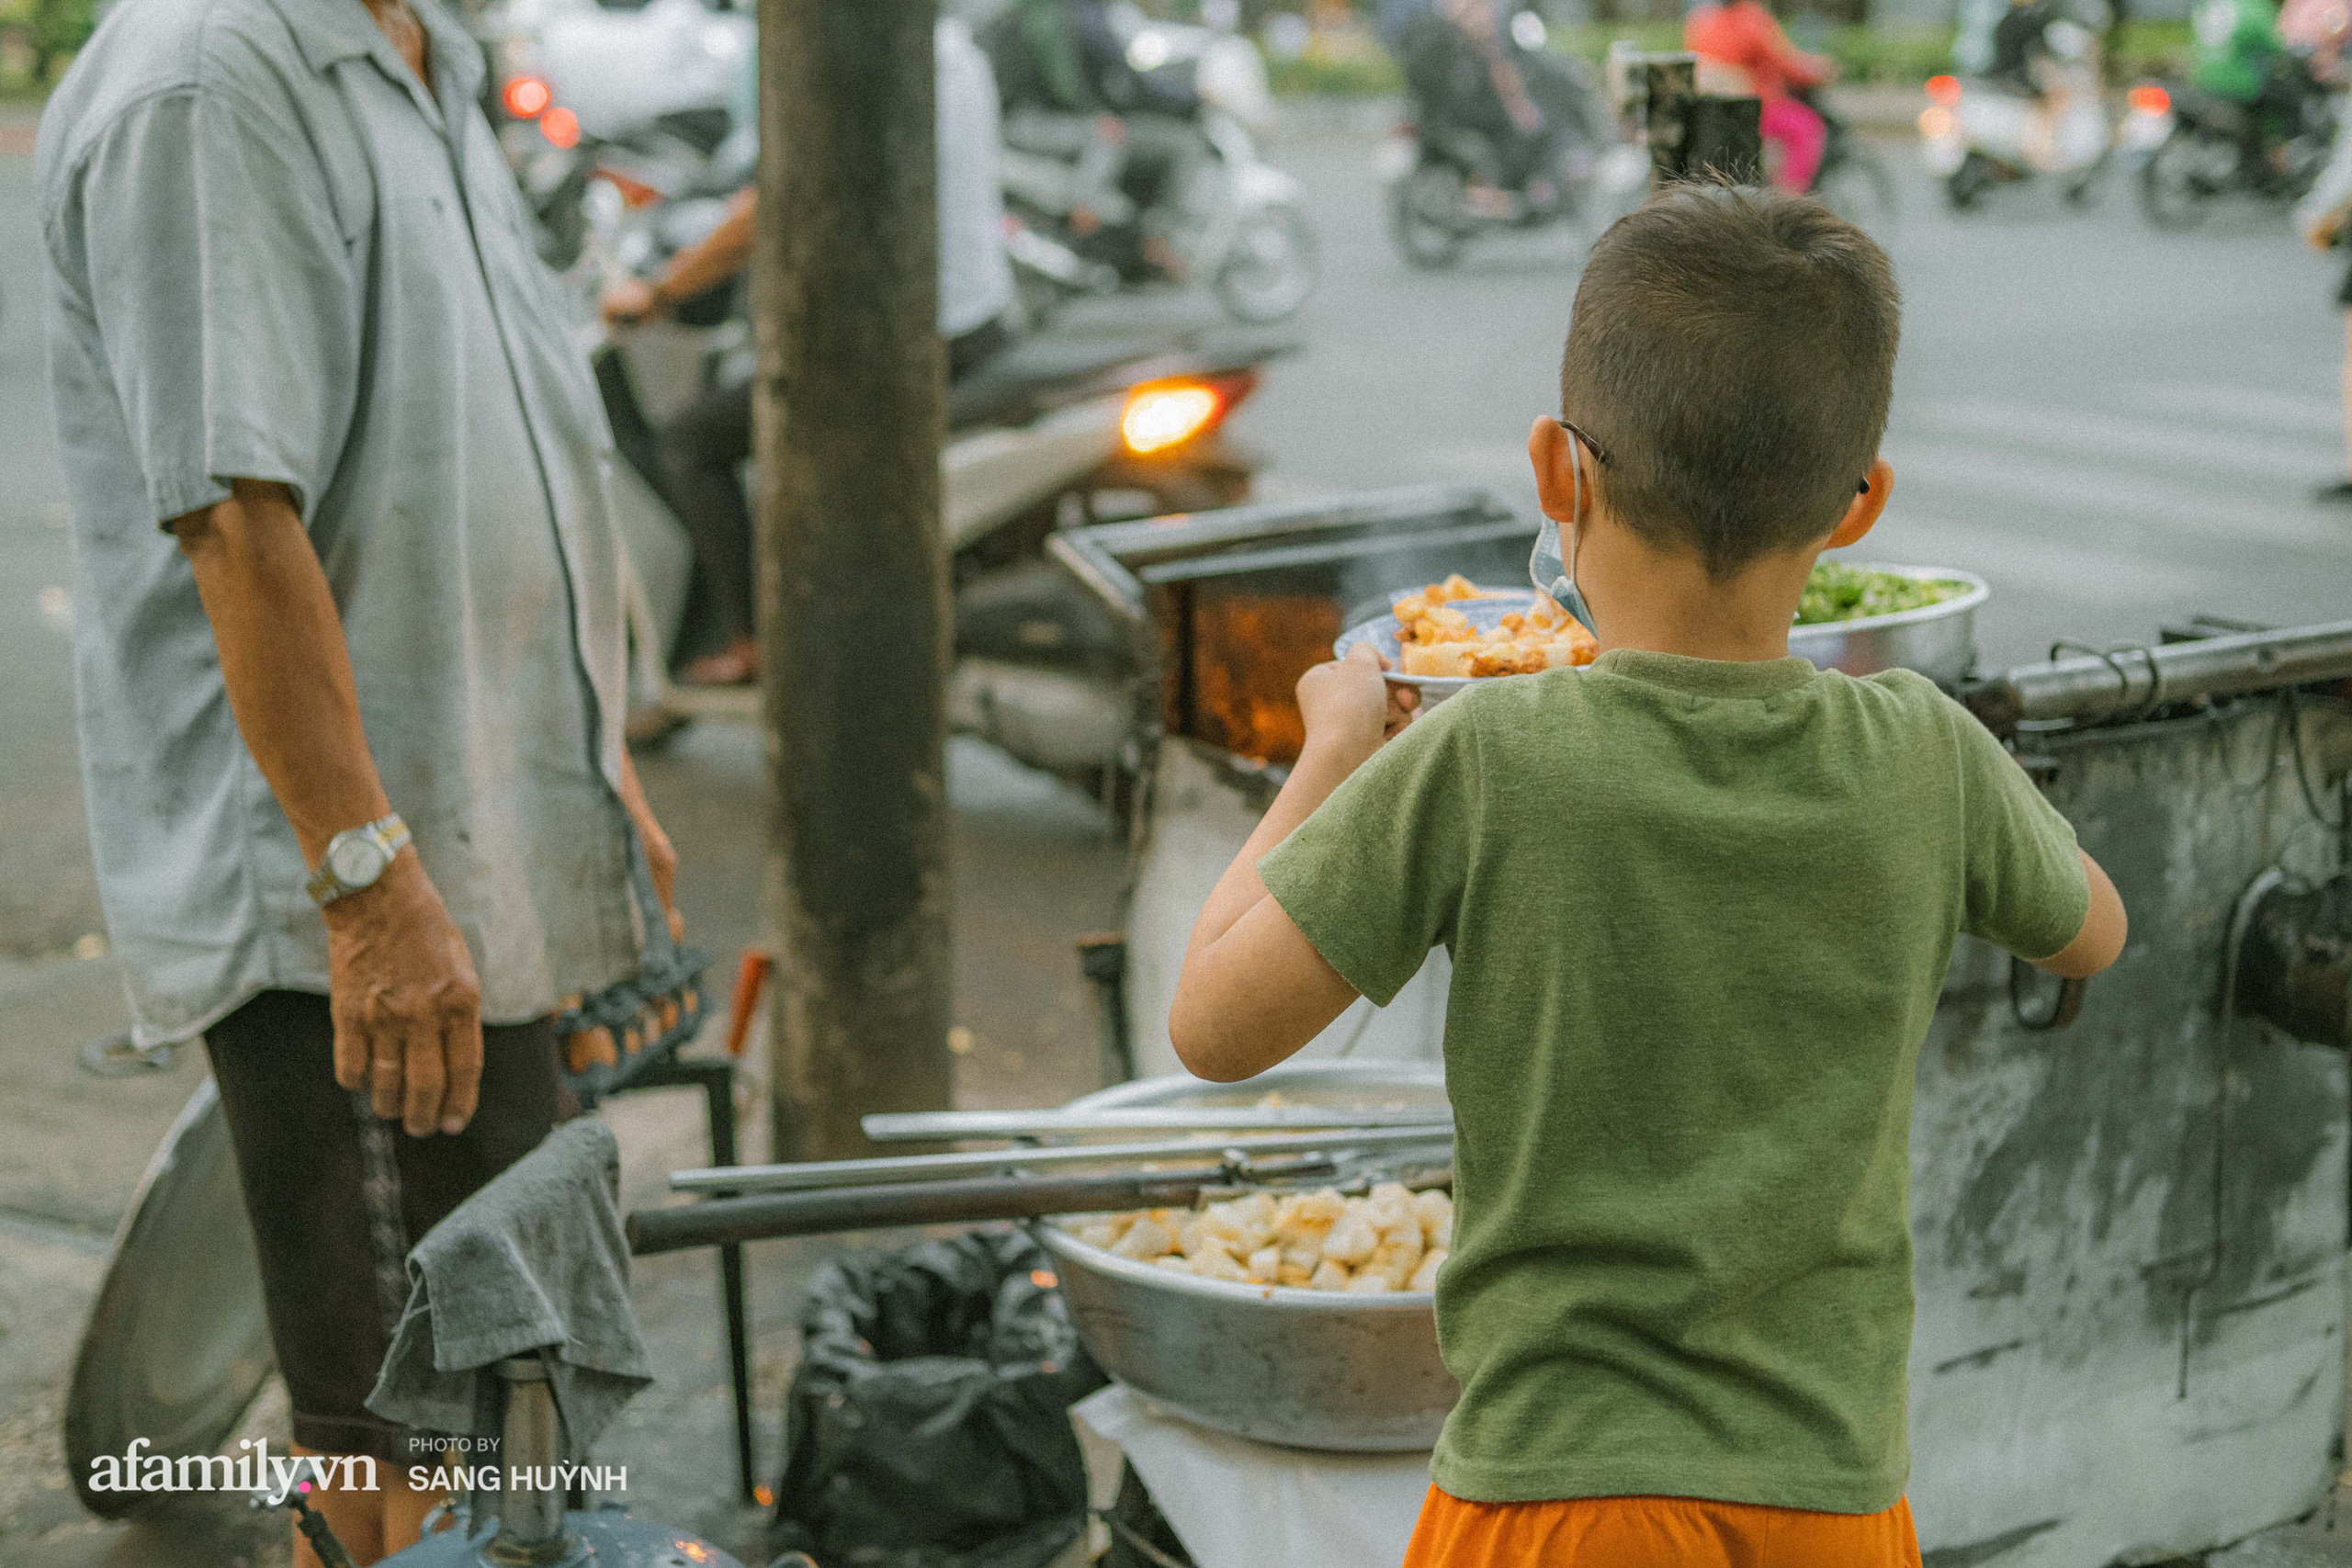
1937, 641
1305, 1368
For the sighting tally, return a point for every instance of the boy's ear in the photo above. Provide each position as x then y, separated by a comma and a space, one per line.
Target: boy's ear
1550, 450
1862, 514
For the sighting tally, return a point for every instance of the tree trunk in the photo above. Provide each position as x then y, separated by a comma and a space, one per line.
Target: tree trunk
852, 587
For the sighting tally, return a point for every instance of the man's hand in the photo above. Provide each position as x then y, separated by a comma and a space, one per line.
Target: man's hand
1349, 708
2321, 236
628, 301
406, 1002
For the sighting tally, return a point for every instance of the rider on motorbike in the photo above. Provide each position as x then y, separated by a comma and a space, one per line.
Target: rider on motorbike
2239, 55
2033, 45
700, 451
1069, 92
1466, 71
1744, 52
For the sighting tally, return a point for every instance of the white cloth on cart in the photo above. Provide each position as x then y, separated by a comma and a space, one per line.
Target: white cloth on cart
1238, 1503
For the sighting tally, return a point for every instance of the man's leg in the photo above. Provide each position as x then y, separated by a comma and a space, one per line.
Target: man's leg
700, 451
299, 1163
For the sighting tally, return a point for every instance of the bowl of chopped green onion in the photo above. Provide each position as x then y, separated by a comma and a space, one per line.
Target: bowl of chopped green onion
1861, 618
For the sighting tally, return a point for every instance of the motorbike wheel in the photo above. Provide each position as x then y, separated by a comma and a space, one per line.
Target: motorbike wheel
1271, 269
1421, 216
1966, 185
2082, 189
1857, 187
2175, 183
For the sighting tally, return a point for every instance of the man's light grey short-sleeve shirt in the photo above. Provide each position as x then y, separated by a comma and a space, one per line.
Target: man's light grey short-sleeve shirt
272, 256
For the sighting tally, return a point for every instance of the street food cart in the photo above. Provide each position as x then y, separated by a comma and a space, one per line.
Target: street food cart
2128, 1198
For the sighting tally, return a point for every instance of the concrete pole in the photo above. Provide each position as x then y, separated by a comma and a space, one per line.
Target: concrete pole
854, 623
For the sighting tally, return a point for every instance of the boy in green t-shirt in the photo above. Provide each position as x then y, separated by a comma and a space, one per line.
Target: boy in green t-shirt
1700, 900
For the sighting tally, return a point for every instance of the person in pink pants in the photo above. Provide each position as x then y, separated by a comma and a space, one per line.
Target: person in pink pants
1744, 52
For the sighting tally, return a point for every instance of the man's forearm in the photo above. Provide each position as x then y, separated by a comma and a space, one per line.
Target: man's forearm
283, 660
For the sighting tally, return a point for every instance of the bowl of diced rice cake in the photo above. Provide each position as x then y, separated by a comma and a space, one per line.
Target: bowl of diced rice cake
1300, 1316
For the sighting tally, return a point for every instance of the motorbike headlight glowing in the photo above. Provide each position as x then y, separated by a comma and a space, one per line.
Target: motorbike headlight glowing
1943, 90
1158, 418
561, 127
528, 98
1935, 123
2149, 99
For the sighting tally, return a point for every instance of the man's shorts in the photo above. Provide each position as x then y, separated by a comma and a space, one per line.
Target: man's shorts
1656, 1532
297, 1158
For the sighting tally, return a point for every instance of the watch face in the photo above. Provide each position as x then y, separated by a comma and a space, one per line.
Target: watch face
356, 860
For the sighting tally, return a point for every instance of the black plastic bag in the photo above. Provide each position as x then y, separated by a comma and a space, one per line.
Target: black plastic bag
928, 1424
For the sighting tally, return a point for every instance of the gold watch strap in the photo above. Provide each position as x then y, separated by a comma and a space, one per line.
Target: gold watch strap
389, 832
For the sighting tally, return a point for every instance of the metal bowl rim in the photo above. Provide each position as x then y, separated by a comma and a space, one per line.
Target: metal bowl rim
1979, 591
1070, 1248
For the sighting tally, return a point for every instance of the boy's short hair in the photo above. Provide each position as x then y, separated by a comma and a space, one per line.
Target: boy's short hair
1732, 351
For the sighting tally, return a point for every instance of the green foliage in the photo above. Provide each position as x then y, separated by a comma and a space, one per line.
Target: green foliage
1357, 74
1896, 56
40, 35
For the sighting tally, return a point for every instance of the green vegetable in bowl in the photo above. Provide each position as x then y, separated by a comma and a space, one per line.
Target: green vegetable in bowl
1838, 592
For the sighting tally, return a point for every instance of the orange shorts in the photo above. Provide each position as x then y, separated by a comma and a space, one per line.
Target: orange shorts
1655, 1532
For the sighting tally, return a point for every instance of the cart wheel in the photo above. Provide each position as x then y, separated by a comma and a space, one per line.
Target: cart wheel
177, 1346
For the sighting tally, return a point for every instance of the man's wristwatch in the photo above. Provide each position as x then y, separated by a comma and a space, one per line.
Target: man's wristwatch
356, 857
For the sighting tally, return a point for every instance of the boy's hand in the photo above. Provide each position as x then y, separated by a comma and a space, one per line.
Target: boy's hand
1350, 709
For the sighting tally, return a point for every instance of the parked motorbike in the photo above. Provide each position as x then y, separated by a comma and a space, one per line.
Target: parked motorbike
2193, 149
576, 88
1051, 432
1242, 227
1445, 180
1979, 133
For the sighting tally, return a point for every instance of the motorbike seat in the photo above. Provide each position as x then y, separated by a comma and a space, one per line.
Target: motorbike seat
1038, 373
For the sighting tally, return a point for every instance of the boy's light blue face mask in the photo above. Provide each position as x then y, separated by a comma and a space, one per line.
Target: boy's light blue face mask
1553, 571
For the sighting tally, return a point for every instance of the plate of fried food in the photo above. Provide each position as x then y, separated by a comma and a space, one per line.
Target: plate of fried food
1441, 638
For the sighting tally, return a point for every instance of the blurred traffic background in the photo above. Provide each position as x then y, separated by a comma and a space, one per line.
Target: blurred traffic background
1252, 252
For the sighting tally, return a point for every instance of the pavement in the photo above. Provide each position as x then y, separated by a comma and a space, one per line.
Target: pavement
2116, 427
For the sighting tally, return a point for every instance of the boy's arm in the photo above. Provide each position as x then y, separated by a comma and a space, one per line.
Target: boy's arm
2031, 887
2100, 942
1253, 988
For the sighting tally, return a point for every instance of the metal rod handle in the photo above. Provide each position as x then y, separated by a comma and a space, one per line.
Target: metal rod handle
2141, 679
807, 1175
722, 1220
906, 1125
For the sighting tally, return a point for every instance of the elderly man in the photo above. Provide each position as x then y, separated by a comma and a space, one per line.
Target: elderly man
348, 645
